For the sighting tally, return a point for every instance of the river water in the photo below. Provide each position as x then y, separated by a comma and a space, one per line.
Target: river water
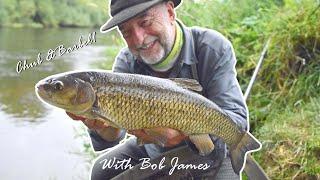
39, 141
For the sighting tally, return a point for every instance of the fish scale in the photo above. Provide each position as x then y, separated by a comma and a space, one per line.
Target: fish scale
181, 110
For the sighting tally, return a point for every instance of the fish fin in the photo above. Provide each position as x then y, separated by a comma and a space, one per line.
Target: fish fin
203, 143
238, 155
253, 170
85, 94
158, 137
109, 122
190, 84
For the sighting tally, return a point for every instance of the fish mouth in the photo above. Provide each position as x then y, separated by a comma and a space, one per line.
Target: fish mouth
46, 96
42, 90
46, 93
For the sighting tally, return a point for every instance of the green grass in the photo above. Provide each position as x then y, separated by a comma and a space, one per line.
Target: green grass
291, 142
111, 54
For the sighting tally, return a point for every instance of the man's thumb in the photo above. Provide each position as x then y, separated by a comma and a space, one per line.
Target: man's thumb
75, 117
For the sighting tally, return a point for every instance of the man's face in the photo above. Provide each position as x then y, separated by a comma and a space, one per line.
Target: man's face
150, 35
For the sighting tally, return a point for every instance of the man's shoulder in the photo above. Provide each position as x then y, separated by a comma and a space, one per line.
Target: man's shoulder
210, 38
125, 54
123, 61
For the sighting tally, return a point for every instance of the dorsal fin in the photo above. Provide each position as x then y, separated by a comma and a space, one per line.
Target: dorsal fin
190, 84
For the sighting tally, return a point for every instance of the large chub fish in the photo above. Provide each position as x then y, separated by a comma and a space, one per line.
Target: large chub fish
141, 102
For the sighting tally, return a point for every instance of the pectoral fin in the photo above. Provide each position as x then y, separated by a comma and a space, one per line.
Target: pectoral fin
203, 143
98, 115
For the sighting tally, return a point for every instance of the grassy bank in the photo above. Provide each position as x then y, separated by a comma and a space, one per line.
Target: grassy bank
284, 103
284, 108
291, 143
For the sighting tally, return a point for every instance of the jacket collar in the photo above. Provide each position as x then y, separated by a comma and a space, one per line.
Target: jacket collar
187, 54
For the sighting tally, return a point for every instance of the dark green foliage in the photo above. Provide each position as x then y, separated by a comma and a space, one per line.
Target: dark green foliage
284, 103
53, 13
293, 57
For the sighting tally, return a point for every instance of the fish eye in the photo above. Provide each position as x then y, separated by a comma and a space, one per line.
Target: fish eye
48, 80
58, 85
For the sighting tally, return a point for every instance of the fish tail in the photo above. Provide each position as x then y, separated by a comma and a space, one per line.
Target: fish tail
238, 155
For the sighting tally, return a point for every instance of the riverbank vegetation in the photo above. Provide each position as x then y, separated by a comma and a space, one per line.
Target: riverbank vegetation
52, 13
284, 102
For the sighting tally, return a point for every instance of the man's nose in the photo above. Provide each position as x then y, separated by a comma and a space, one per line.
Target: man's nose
138, 35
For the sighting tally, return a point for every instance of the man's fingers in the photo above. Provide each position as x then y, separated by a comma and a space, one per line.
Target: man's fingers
168, 136
176, 140
75, 117
100, 124
141, 134
138, 133
90, 123
94, 124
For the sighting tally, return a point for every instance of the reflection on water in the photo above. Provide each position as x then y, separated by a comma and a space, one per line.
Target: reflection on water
37, 139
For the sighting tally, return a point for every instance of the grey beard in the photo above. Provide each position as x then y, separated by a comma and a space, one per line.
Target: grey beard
164, 52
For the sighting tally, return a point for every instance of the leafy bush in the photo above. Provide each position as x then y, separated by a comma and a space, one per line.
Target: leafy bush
283, 105
49, 13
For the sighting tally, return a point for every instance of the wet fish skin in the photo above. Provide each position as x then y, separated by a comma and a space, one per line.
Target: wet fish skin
133, 101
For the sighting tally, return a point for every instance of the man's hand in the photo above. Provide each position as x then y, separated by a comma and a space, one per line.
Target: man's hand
90, 123
161, 135
108, 133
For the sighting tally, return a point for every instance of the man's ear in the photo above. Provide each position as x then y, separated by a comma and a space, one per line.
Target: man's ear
171, 12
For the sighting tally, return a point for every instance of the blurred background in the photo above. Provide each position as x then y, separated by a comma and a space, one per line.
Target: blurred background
41, 142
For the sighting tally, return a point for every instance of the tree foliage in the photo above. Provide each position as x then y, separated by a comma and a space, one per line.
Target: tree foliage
53, 13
